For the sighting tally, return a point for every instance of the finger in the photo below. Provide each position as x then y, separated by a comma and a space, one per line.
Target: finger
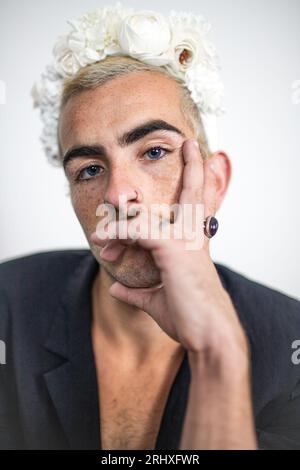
145, 230
192, 180
112, 251
190, 214
94, 238
114, 233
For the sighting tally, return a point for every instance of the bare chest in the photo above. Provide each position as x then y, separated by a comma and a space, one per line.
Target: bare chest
132, 406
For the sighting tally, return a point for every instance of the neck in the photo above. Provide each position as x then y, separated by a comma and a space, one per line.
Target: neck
126, 328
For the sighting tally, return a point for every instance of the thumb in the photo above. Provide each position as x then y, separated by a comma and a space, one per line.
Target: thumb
138, 297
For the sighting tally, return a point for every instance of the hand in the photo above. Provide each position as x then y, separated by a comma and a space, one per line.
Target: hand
191, 306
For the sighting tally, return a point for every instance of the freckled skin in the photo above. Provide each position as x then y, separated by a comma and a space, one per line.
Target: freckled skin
98, 116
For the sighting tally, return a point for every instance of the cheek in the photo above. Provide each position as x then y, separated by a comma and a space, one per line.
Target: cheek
85, 199
166, 179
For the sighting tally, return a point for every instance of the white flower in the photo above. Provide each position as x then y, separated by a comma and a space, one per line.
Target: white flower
47, 91
92, 38
66, 62
206, 89
112, 17
46, 95
146, 36
189, 42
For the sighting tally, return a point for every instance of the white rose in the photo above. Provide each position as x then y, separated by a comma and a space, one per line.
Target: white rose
189, 43
100, 28
87, 40
92, 37
146, 36
65, 60
206, 89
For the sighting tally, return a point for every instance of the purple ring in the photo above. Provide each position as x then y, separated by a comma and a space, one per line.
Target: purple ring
211, 225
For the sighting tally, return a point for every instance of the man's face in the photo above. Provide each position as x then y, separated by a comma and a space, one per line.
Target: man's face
99, 117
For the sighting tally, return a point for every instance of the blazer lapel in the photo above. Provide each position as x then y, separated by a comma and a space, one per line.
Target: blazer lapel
73, 384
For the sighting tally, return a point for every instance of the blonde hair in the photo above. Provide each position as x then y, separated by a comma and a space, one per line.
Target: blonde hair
98, 73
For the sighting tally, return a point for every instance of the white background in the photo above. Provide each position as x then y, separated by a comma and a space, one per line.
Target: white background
258, 43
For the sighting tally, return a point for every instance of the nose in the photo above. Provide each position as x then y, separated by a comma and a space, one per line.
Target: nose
122, 184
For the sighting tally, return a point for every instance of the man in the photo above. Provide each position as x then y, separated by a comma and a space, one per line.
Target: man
141, 343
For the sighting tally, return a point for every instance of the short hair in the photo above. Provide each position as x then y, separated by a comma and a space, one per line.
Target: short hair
96, 74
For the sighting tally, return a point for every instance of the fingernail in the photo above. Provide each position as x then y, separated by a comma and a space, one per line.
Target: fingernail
196, 144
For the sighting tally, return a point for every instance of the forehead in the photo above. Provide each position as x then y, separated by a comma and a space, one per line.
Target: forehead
118, 104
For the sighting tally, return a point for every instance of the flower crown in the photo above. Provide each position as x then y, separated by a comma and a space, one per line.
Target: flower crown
177, 43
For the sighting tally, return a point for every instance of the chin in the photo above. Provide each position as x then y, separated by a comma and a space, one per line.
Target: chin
134, 268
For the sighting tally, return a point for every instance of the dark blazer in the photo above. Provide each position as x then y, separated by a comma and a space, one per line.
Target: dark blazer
48, 386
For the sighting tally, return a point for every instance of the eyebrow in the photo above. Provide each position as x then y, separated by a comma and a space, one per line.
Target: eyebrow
126, 139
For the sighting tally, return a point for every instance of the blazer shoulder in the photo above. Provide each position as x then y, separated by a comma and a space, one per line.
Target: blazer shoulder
33, 271
265, 312
264, 302
271, 320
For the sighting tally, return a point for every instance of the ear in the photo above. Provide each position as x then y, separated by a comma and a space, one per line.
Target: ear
217, 174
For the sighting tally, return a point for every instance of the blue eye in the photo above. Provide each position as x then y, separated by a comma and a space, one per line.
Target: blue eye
156, 153
89, 172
